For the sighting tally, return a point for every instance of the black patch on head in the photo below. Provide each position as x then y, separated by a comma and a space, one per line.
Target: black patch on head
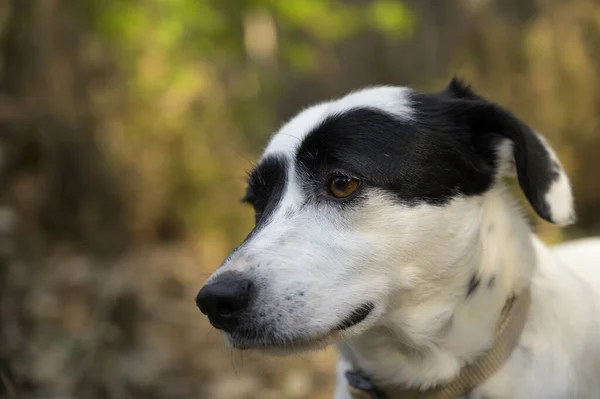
429, 159
266, 184
473, 284
446, 147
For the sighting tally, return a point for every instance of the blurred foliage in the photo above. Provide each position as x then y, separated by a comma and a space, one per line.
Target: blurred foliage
203, 79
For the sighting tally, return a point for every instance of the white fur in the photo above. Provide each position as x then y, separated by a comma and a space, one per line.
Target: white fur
317, 263
290, 136
559, 196
559, 352
389, 99
560, 200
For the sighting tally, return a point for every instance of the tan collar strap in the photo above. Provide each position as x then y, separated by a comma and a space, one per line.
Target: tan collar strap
511, 324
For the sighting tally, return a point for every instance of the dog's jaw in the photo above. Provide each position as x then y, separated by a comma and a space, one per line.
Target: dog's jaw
426, 342
356, 323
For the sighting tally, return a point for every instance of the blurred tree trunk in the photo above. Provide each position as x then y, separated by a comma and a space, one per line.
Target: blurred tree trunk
53, 172
55, 184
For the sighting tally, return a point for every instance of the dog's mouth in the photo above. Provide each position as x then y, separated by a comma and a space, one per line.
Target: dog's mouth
275, 346
358, 315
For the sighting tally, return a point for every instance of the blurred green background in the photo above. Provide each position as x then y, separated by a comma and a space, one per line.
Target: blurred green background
126, 129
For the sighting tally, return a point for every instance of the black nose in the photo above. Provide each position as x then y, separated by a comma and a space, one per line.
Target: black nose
224, 299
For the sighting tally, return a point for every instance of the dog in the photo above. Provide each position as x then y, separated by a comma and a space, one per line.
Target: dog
385, 226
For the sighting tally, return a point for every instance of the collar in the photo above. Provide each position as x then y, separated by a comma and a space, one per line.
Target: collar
508, 331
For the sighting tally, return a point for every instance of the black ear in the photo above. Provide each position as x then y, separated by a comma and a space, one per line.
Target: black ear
457, 88
517, 148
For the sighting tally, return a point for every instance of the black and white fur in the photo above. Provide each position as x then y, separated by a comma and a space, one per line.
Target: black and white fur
427, 250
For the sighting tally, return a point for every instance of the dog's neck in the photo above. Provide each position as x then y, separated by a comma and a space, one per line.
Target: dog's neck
427, 339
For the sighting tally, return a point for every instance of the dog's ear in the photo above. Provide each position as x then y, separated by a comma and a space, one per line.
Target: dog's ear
457, 88
516, 149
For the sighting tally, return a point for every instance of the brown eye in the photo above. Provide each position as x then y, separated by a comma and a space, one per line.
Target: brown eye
342, 186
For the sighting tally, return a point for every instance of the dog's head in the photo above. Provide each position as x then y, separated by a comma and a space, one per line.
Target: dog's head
362, 200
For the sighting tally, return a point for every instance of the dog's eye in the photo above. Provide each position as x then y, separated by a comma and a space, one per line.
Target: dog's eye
342, 186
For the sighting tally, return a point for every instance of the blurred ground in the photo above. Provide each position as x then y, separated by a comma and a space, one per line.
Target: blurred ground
126, 129
86, 328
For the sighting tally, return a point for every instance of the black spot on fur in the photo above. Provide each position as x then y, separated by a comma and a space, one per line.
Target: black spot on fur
473, 284
492, 282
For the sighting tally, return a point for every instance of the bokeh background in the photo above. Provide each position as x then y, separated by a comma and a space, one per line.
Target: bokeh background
126, 129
